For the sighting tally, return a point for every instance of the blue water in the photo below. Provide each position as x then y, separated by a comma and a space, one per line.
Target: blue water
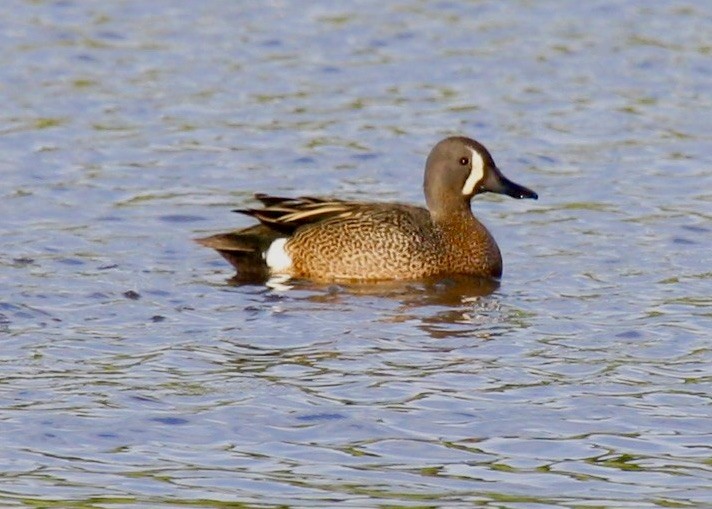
133, 374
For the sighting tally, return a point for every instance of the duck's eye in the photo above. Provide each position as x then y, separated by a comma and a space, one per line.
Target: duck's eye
464, 161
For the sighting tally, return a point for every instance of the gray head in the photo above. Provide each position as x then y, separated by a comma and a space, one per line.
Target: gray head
457, 169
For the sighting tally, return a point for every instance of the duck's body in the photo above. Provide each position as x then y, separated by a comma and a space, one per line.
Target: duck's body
328, 239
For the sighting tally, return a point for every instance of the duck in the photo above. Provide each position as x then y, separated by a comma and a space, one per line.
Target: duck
331, 239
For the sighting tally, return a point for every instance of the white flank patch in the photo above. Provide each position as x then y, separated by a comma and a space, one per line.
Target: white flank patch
277, 258
476, 173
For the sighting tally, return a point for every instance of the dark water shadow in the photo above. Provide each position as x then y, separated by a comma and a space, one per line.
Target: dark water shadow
444, 291
442, 307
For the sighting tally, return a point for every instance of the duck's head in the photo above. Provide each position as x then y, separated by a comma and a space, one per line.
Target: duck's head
458, 168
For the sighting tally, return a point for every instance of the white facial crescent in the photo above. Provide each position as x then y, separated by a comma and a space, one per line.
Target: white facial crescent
476, 173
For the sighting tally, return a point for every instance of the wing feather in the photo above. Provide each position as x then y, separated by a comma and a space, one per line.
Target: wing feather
285, 215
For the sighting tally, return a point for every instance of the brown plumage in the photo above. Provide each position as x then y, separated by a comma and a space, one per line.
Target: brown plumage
331, 239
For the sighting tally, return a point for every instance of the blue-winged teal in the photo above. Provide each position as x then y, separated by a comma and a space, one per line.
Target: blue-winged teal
330, 239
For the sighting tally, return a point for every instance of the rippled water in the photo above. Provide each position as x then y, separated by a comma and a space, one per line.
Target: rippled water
132, 373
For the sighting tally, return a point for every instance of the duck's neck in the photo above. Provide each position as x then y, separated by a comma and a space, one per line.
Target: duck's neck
468, 242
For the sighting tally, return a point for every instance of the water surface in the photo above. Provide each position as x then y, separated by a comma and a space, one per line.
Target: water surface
132, 373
